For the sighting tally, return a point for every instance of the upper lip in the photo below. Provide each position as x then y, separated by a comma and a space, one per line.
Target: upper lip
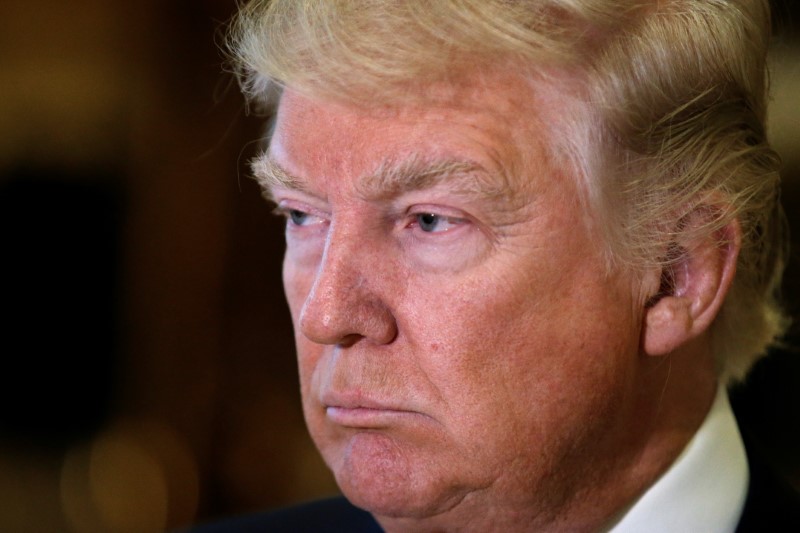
356, 400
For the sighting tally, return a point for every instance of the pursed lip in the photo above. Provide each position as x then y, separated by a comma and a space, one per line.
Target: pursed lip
356, 411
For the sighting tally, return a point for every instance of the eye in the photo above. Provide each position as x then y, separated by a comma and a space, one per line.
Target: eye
299, 218
433, 223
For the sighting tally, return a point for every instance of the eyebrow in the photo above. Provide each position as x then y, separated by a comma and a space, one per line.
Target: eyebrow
393, 178
270, 175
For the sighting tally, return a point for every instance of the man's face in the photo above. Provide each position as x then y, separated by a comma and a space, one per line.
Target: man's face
460, 341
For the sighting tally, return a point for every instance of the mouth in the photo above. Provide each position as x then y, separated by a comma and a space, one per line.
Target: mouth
360, 413
367, 417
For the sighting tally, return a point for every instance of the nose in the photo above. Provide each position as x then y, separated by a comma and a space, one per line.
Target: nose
345, 304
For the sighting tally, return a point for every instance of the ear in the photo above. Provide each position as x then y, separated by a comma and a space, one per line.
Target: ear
694, 286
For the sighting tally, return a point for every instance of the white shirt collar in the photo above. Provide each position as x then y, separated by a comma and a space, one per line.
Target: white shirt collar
704, 489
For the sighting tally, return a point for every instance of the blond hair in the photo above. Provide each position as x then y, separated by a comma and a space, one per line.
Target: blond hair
669, 116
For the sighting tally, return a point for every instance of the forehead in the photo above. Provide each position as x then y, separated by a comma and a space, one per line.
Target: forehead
496, 122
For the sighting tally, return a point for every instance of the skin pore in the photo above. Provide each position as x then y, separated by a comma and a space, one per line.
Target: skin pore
467, 360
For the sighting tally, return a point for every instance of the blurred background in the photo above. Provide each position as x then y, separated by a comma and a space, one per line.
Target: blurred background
147, 375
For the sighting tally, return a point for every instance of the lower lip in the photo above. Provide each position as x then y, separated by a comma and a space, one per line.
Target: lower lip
363, 417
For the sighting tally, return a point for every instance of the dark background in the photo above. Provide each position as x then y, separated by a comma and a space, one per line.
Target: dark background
147, 375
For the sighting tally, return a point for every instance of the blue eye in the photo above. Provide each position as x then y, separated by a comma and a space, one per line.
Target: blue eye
428, 221
298, 217
433, 223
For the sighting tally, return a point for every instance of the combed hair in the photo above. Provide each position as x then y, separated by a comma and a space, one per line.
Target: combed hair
668, 116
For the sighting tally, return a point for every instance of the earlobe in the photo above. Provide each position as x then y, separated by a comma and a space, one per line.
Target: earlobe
698, 281
667, 325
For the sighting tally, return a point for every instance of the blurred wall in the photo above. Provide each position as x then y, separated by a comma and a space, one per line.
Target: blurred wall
148, 374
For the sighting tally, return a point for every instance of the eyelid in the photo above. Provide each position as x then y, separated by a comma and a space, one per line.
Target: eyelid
286, 206
432, 209
456, 219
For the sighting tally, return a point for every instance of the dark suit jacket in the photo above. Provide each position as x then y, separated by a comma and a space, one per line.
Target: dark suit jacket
336, 515
772, 504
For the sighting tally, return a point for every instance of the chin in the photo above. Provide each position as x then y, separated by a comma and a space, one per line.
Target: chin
379, 475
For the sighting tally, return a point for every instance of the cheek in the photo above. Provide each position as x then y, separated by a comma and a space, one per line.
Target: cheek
471, 325
517, 345
297, 284
309, 356
464, 340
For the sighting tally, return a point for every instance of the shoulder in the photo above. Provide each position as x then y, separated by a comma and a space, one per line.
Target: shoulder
331, 515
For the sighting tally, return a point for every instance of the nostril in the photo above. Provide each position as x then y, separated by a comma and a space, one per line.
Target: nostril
349, 340
345, 320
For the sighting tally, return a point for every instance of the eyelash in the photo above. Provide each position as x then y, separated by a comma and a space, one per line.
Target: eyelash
418, 222
293, 215
290, 214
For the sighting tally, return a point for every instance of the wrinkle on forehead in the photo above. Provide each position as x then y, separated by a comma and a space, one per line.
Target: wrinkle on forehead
499, 142
397, 176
